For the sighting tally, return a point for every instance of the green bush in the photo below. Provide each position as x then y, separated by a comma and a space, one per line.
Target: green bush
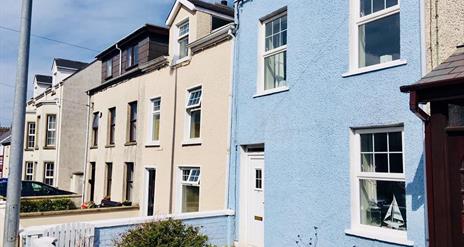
168, 233
44, 205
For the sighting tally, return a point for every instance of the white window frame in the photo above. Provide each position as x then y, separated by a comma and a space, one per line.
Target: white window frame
181, 183
50, 130
355, 21
150, 141
26, 171
263, 54
358, 229
189, 109
31, 135
180, 37
46, 163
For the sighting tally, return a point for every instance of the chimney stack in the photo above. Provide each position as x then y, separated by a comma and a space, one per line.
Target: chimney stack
224, 2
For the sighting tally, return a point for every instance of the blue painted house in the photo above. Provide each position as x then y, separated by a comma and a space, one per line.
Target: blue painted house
326, 150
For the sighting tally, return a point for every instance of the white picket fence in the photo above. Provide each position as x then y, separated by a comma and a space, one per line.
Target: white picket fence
66, 235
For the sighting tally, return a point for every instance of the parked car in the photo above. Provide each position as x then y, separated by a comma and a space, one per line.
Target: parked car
33, 188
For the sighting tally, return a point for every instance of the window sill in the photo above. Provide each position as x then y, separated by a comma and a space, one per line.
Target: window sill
376, 67
181, 60
110, 146
131, 67
49, 147
152, 145
271, 91
130, 143
93, 147
388, 238
28, 149
192, 142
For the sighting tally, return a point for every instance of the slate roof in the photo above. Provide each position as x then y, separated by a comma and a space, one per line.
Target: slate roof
45, 79
451, 70
5, 137
218, 7
65, 63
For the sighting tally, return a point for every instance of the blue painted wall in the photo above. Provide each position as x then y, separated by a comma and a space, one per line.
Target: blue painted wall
306, 130
216, 228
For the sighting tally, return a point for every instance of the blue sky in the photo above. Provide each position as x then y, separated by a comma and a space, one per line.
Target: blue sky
89, 23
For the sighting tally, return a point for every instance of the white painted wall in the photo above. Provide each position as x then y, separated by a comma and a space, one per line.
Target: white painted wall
59, 74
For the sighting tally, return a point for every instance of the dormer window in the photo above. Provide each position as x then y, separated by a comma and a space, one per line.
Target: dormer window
109, 67
183, 39
132, 56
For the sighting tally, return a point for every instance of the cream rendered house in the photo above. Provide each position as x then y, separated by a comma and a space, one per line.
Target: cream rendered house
158, 135
56, 120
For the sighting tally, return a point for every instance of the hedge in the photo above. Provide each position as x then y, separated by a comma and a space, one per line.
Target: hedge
43, 205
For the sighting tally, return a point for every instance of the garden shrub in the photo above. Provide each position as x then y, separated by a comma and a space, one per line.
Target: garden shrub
167, 233
43, 205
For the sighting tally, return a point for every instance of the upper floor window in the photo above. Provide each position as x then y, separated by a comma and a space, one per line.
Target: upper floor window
274, 54
30, 142
109, 67
132, 56
132, 121
155, 119
96, 117
51, 131
375, 32
194, 113
111, 125
378, 182
37, 131
183, 39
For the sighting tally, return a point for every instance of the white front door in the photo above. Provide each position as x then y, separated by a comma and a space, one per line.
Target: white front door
254, 206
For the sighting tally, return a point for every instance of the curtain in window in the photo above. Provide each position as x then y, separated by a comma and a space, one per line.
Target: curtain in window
362, 45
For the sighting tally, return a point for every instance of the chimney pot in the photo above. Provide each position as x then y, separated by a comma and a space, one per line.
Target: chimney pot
224, 2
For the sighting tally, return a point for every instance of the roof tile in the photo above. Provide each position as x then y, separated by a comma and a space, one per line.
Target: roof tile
458, 69
455, 58
439, 72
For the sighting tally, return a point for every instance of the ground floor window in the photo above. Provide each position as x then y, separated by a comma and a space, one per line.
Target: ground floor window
190, 189
129, 181
378, 179
29, 171
49, 173
109, 178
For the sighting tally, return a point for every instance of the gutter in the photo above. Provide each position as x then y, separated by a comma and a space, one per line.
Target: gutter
84, 191
414, 107
120, 58
58, 139
212, 39
231, 97
173, 144
156, 63
423, 49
